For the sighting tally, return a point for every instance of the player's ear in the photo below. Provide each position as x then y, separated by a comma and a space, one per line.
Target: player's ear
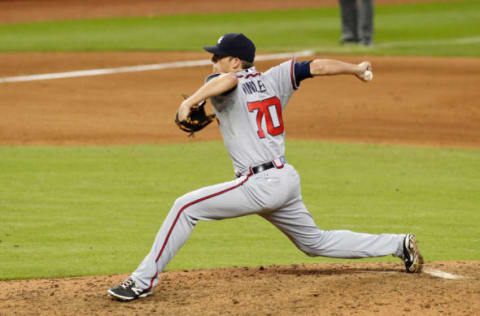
236, 63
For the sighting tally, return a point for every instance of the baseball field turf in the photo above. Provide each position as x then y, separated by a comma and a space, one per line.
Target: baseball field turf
431, 29
94, 210
71, 211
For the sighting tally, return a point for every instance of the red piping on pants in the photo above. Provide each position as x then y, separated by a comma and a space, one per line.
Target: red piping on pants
180, 213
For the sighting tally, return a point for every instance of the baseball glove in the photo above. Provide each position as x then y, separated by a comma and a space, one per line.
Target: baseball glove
196, 120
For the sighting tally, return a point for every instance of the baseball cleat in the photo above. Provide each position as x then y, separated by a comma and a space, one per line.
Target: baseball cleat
128, 291
412, 256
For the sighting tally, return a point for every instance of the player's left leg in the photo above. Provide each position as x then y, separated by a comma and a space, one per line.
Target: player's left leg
221, 201
224, 200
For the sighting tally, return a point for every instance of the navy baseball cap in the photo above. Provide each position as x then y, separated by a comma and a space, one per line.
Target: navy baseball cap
235, 45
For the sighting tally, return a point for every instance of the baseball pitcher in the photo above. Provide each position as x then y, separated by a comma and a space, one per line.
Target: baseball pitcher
249, 107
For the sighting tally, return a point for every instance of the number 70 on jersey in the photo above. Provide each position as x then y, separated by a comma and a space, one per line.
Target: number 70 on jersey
271, 109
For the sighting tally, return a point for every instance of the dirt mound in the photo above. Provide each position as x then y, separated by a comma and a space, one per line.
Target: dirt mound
321, 289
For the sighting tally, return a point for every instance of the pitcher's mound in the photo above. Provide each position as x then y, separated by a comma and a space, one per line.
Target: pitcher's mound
320, 289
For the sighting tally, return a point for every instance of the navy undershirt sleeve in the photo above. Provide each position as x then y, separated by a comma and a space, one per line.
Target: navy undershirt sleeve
302, 71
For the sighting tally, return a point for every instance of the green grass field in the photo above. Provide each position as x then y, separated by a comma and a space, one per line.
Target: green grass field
95, 210
435, 29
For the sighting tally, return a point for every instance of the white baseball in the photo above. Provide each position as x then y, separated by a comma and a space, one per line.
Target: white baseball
368, 75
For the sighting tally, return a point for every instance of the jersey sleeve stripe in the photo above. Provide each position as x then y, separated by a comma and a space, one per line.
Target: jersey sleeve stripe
292, 75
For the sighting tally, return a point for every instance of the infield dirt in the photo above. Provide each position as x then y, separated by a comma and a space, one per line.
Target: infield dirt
416, 101
412, 100
324, 289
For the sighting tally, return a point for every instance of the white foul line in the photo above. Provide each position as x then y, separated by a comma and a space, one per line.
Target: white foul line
442, 274
453, 41
108, 71
396, 44
197, 63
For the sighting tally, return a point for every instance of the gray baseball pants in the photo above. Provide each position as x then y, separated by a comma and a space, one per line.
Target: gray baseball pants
273, 194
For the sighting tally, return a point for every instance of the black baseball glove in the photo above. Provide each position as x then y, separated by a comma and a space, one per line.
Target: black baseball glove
196, 120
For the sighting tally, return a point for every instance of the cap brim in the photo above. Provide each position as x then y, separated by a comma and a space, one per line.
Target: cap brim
215, 50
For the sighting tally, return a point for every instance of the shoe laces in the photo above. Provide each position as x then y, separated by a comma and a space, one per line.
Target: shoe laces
127, 283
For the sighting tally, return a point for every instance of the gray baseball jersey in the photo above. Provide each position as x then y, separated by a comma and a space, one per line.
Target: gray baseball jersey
250, 117
251, 123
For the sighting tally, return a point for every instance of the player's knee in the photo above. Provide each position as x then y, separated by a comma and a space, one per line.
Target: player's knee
182, 202
177, 204
308, 250
183, 206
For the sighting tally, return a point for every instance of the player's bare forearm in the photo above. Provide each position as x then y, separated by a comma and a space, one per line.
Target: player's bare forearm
214, 87
328, 67
325, 67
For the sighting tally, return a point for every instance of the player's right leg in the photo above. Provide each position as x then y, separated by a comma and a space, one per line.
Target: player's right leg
297, 223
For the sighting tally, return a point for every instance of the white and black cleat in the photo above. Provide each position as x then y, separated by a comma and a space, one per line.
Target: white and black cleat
128, 291
411, 255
